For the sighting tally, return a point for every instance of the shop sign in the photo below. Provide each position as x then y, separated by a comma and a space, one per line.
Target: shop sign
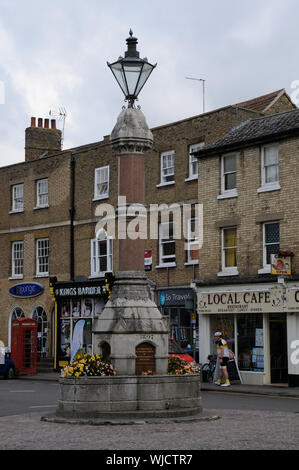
281, 265
148, 260
26, 289
292, 296
175, 297
263, 301
77, 291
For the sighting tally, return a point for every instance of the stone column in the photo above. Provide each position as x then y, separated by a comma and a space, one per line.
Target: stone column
130, 317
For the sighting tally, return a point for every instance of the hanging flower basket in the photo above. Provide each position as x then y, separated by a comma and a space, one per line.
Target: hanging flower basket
285, 254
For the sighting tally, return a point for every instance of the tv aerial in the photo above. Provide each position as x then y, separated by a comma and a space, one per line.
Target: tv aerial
60, 115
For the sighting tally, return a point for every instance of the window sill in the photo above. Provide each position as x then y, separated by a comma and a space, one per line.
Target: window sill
191, 263
191, 178
228, 272
168, 183
228, 194
40, 207
14, 278
269, 187
166, 265
265, 270
41, 275
16, 212
96, 276
100, 198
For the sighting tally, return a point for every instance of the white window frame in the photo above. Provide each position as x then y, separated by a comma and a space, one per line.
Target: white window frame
42, 191
95, 255
227, 193
191, 241
100, 178
17, 262
163, 259
266, 269
163, 169
17, 191
230, 270
273, 185
192, 159
44, 272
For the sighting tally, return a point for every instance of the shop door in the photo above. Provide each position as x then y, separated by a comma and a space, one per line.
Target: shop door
278, 348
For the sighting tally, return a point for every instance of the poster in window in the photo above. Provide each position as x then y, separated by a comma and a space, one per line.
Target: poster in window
76, 310
87, 310
259, 337
65, 309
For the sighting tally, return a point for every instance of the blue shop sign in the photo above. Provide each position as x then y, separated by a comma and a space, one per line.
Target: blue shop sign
26, 289
162, 298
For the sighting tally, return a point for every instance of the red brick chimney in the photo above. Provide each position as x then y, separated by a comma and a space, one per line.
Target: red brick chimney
41, 138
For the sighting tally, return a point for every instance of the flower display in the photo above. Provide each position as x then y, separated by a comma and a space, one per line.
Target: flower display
176, 366
90, 365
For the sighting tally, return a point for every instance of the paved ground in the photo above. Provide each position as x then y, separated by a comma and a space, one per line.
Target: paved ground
254, 430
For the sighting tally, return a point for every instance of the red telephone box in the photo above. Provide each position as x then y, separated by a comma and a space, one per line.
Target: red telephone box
24, 345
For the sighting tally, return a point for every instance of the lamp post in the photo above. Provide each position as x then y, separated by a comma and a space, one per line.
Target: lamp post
130, 315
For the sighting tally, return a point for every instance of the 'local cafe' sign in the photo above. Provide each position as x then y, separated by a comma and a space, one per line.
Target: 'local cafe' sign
247, 301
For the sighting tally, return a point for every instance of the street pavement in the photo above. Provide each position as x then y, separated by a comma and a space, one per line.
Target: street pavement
232, 430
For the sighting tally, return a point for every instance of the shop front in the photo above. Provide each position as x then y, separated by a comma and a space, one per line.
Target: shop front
179, 304
77, 305
261, 324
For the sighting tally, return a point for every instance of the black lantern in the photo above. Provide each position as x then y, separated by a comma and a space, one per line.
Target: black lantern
130, 71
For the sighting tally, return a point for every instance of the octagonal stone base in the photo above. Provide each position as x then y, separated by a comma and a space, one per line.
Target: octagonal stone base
128, 397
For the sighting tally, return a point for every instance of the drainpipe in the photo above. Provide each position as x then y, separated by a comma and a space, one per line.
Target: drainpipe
72, 217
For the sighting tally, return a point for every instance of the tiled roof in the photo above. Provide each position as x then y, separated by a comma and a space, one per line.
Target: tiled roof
266, 128
261, 103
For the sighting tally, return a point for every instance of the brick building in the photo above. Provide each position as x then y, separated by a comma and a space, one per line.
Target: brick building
250, 203
49, 220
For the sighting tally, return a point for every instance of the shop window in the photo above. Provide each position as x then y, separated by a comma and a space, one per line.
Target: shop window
166, 244
17, 198
250, 342
225, 324
71, 311
40, 316
17, 313
17, 259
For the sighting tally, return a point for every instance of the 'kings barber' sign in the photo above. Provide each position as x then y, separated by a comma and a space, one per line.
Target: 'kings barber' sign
263, 301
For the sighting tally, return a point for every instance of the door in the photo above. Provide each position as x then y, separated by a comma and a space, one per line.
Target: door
278, 348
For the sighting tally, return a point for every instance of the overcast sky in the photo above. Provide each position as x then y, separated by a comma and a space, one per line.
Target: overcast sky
53, 54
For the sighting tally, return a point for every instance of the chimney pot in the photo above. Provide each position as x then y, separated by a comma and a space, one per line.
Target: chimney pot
33, 122
40, 122
53, 123
46, 123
